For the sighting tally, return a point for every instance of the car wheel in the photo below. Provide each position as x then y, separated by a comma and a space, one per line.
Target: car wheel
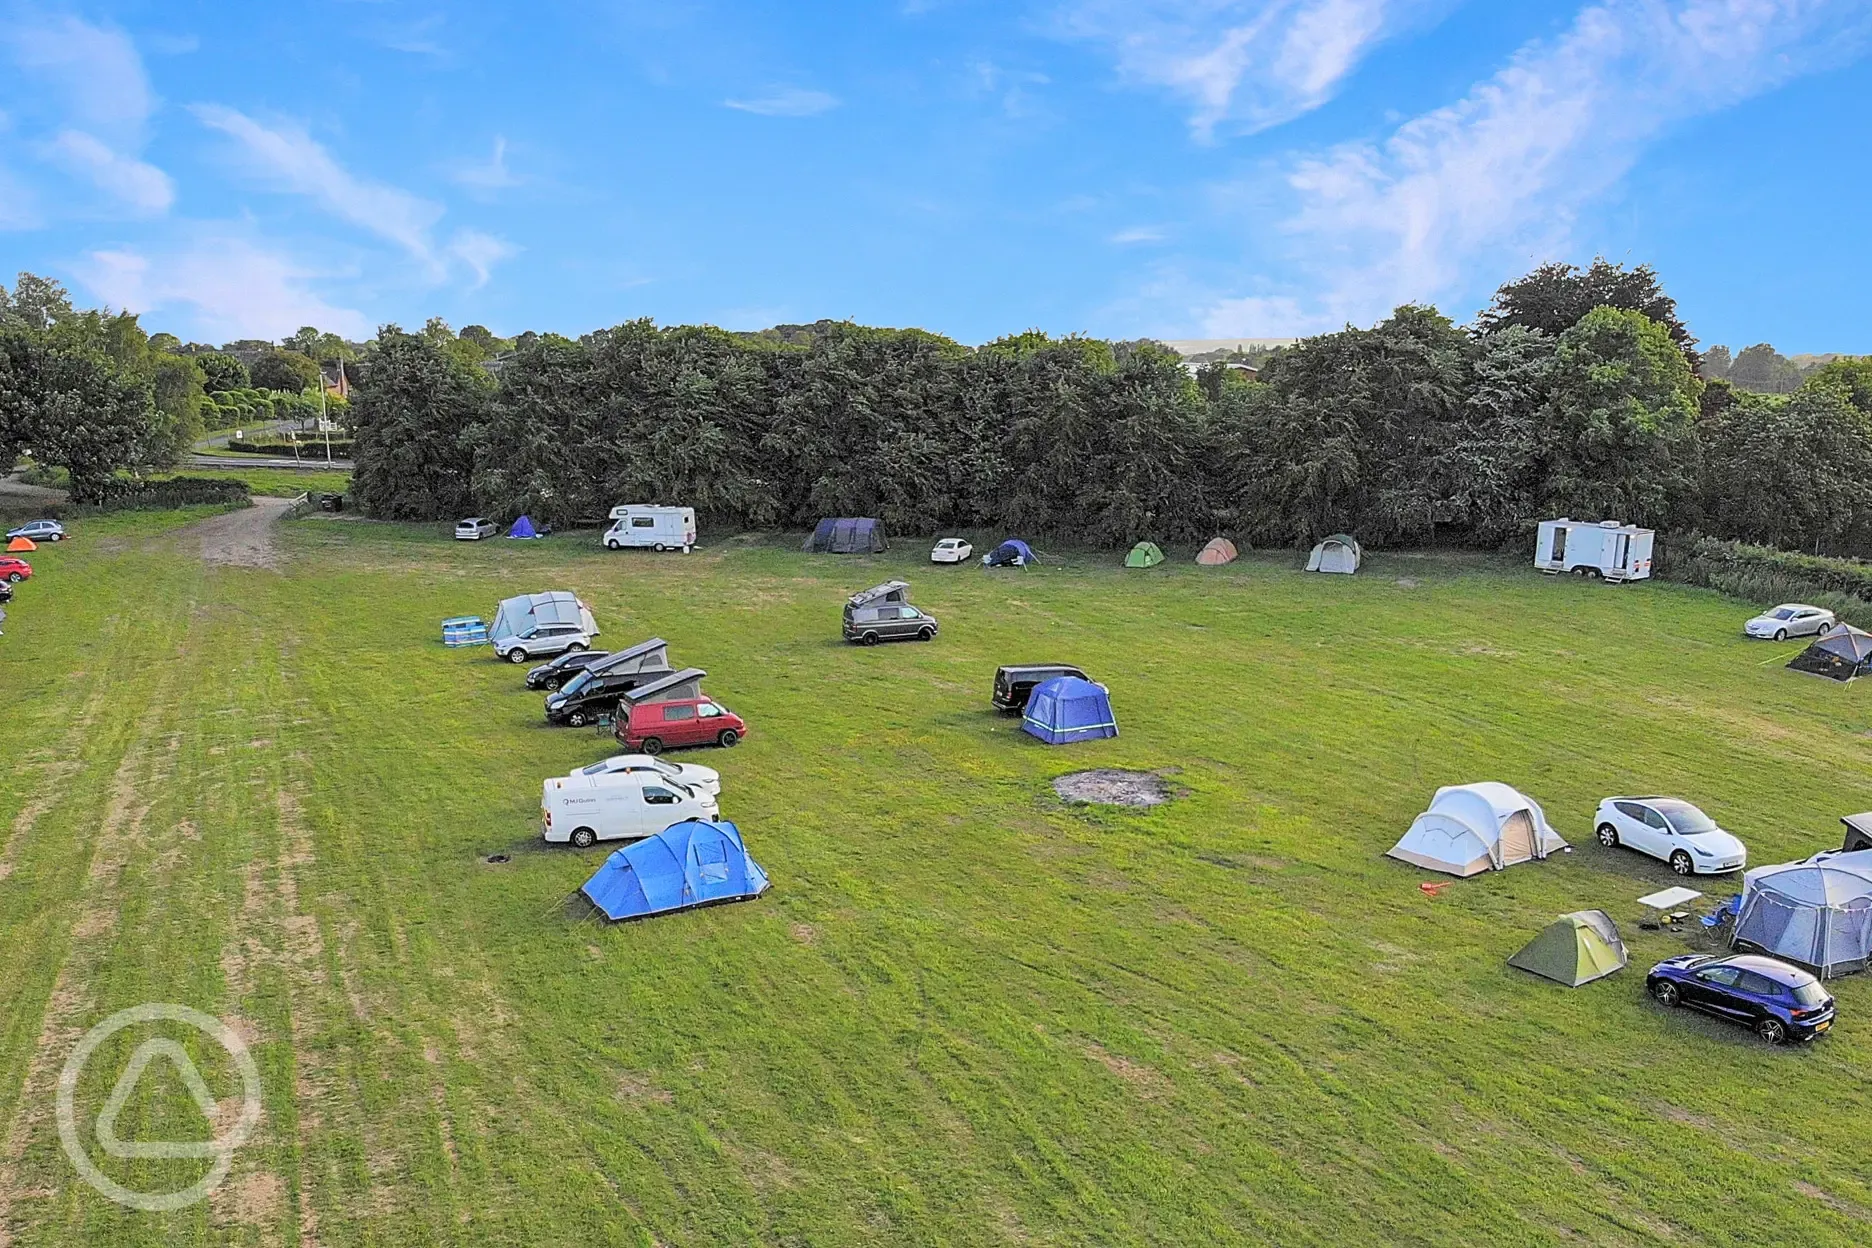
576, 719
1681, 864
1667, 994
15, 577
926, 633
1773, 1030
869, 639
577, 646
551, 686
516, 656
614, 545
653, 745
583, 838
727, 738
659, 548
1780, 634
1608, 836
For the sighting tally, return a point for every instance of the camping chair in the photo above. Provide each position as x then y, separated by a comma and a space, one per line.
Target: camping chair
1724, 913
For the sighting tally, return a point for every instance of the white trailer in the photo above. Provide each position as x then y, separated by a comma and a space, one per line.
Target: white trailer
659, 528
1608, 549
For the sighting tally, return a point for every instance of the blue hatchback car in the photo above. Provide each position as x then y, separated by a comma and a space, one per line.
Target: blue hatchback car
1777, 1001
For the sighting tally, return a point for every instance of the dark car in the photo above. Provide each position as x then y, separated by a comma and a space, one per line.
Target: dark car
1777, 1001
1014, 682
884, 613
550, 676
590, 696
6, 591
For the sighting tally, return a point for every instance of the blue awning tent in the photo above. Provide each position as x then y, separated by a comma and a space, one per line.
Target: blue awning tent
688, 864
1012, 553
847, 535
1067, 709
523, 528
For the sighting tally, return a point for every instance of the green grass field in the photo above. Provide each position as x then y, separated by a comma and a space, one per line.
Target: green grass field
966, 1014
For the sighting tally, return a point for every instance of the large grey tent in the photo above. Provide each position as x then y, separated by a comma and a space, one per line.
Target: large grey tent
1338, 553
1817, 912
1471, 828
1841, 653
847, 535
517, 617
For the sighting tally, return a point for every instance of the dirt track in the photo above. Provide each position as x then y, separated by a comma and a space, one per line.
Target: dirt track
244, 538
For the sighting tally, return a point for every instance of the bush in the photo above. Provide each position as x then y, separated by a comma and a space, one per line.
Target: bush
1766, 576
125, 494
309, 450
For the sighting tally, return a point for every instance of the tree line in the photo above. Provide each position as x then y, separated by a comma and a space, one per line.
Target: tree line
1575, 392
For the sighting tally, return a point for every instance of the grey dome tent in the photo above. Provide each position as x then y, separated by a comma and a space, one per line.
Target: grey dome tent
1817, 912
847, 535
1841, 653
1338, 553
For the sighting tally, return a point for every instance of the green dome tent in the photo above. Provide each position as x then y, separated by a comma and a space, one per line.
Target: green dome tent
1574, 949
1144, 555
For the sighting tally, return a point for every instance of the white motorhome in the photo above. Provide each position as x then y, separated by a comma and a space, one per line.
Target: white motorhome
619, 806
1607, 549
659, 528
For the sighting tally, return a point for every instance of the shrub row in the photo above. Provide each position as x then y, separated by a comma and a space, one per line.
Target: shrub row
286, 450
1766, 576
125, 494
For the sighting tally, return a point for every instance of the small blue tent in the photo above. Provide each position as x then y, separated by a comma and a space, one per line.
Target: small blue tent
1067, 709
693, 863
523, 528
1012, 553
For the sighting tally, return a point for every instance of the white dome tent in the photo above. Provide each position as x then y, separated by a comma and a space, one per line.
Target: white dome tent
1471, 828
1338, 553
1817, 912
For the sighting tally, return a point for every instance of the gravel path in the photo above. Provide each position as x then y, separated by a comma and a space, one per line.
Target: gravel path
244, 538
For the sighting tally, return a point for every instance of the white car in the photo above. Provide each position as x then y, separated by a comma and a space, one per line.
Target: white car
1673, 830
583, 810
951, 550
1790, 619
474, 528
691, 775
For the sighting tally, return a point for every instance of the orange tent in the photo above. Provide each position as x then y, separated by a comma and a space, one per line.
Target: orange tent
20, 545
1219, 550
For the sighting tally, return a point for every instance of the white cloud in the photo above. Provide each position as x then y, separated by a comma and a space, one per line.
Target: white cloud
236, 288
480, 252
96, 68
97, 81
786, 102
142, 186
1138, 234
1467, 194
1247, 63
289, 158
489, 175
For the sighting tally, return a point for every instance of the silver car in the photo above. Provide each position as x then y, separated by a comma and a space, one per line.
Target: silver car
544, 641
1790, 619
39, 531
474, 528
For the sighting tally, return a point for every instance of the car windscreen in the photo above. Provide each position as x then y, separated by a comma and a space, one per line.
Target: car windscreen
1810, 993
577, 683
1685, 818
1781, 613
596, 769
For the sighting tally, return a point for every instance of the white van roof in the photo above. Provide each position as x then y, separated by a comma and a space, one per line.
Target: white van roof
625, 510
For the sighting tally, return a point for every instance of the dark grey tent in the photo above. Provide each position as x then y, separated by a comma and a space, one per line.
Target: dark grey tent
1858, 831
847, 535
1841, 653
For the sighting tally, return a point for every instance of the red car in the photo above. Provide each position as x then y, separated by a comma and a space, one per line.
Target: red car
652, 727
15, 570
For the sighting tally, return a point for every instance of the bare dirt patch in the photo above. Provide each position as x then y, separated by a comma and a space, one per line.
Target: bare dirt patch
1108, 786
242, 539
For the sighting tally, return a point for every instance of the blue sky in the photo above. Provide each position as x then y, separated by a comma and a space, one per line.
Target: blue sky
1176, 168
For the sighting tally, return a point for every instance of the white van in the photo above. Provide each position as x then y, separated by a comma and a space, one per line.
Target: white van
659, 528
618, 806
